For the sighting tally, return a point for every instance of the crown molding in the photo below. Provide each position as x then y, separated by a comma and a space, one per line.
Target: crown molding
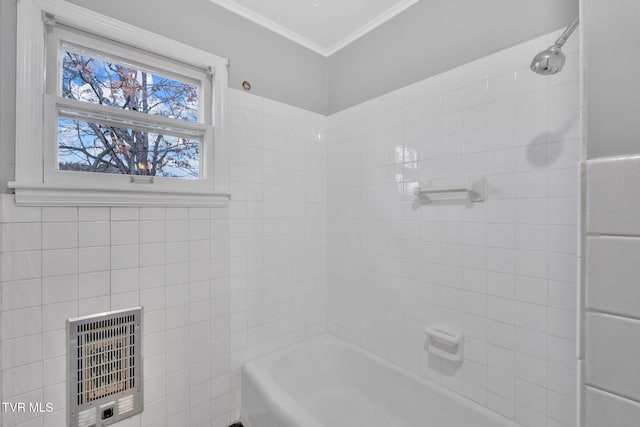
371, 25
246, 13
270, 25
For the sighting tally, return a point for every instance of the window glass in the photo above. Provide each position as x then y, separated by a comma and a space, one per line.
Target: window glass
94, 147
96, 78
101, 146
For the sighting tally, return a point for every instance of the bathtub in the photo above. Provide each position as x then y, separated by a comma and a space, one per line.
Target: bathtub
327, 382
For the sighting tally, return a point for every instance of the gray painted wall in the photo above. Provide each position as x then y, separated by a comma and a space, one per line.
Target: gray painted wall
434, 36
612, 87
276, 67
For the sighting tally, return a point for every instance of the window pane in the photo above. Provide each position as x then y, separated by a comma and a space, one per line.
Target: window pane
93, 147
94, 78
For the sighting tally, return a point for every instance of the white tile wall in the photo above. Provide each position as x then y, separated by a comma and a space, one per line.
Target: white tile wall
612, 327
277, 237
606, 409
613, 196
322, 232
612, 357
502, 270
612, 275
218, 285
88, 260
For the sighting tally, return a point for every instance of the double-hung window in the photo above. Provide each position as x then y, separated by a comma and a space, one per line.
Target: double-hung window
109, 114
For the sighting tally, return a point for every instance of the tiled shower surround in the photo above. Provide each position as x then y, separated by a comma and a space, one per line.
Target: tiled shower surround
322, 233
504, 270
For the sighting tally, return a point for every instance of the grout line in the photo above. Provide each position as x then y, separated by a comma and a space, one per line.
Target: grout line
597, 234
612, 393
612, 314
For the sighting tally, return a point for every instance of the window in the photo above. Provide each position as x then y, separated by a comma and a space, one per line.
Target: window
128, 117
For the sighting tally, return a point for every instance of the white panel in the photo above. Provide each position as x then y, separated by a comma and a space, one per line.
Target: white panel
612, 354
612, 275
606, 409
613, 196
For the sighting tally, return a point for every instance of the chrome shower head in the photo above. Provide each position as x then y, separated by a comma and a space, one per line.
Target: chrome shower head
551, 60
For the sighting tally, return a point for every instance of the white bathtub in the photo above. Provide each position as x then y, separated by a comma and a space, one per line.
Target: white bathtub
327, 382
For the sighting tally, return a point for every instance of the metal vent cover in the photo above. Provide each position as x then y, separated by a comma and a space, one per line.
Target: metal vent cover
104, 368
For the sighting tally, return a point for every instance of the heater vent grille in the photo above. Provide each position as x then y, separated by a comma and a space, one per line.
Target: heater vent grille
125, 404
105, 366
106, 358
87, 418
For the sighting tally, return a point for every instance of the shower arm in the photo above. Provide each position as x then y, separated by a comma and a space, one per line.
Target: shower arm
567, 33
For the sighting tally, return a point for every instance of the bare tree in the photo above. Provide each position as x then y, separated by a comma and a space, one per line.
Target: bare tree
95, 147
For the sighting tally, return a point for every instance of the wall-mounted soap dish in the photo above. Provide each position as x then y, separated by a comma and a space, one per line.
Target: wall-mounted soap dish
445, 342
472, 189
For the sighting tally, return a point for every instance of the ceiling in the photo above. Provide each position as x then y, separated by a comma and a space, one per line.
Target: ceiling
324, 26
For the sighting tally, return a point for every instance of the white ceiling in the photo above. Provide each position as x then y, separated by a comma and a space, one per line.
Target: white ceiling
324, 26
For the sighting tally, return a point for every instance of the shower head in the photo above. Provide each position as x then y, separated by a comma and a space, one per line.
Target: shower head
551, 60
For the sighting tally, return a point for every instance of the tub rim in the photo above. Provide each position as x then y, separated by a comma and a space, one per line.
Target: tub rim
260, 371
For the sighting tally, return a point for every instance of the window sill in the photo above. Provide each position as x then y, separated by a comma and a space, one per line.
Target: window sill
43, 195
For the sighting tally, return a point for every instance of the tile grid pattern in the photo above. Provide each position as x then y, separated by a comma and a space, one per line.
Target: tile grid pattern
218, 285
64, 262
277, 241
502, 270
612, 297
224, 285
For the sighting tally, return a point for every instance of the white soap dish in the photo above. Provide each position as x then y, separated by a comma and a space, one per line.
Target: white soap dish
445, 342
471, 189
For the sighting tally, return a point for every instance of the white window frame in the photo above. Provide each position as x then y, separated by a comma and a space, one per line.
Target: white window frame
38, 181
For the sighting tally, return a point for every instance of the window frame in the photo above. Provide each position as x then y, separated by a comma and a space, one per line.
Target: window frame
38, 181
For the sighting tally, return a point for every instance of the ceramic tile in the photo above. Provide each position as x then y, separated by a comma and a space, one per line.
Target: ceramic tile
604, 408
612, 349
611, 277
611, 186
